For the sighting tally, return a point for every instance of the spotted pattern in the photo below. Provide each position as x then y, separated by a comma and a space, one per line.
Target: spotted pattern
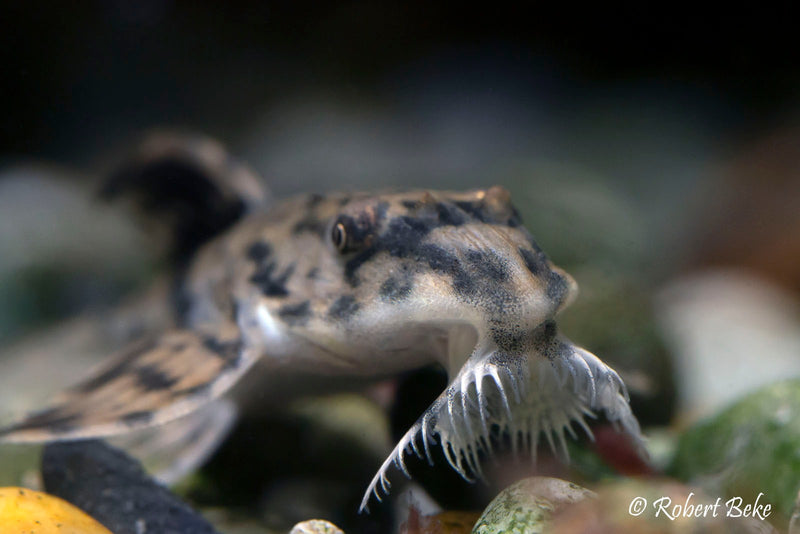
404, 237
406, 234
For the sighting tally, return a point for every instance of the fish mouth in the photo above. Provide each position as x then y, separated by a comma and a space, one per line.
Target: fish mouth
541, 391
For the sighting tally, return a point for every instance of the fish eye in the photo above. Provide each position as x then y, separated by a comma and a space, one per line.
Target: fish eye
352, 233
345, 234
339, 236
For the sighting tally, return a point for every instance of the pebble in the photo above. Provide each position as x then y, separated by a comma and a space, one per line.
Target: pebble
114, 489
32, 512
526, 507
316, 526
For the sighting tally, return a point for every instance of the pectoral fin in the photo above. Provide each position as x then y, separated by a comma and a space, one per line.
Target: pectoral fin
149, 382
177, 448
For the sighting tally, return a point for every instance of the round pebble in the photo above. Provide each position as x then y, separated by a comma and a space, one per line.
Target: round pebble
34, 512
316, 526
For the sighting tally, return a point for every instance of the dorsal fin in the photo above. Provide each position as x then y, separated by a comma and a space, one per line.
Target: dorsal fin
188, 183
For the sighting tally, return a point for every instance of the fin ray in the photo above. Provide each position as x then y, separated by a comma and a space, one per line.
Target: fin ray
149, 382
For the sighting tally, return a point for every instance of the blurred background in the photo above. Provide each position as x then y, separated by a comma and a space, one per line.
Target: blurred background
654, 152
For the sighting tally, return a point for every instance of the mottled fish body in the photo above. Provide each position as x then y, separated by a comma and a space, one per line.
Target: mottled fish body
360, 285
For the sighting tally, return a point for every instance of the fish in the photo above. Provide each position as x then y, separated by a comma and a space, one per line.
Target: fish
343, 285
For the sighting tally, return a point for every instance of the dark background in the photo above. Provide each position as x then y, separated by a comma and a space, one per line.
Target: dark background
80, 77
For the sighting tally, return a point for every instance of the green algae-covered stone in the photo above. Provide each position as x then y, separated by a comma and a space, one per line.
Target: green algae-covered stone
526, 507
316, 526
751, 447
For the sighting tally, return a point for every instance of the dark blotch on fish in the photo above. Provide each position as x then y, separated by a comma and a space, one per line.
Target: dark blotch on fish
270, 282
229, 351
488, 265
556, 287
123, 366
343, 308
295, 314
449, 214
534, 261
259, 251
151, 378
395, 289
54, 420
141, 417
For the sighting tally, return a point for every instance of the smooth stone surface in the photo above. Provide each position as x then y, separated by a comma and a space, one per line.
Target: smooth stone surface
316, 526
113, 488
26, 511
731, 333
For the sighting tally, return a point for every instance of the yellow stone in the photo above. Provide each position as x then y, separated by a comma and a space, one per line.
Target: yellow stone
32, 512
